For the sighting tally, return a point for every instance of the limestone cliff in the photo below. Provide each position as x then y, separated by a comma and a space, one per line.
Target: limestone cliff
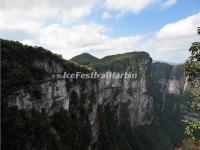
117, 110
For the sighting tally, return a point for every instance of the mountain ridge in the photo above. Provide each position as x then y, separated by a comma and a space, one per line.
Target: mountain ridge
84, 57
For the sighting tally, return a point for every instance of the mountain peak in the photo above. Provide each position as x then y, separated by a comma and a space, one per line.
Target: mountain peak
85, 58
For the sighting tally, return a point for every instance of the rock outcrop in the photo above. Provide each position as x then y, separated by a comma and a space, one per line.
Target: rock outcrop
133, 102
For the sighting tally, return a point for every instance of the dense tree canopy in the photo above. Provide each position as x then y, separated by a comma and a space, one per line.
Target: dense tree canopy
192, 68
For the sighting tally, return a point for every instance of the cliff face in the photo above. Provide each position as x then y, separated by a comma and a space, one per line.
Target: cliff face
168, 81
56, 92
128, 94
112, 107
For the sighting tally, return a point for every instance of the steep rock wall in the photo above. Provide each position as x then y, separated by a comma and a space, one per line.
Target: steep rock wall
128, 94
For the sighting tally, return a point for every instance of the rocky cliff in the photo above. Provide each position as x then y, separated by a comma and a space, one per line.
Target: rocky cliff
141, 113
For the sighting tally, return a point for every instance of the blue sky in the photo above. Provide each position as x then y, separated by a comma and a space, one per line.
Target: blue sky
163, 28
151, 20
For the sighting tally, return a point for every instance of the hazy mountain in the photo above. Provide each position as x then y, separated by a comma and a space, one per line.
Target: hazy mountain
167, 62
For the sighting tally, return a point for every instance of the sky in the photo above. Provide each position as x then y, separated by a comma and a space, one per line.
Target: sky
163, 28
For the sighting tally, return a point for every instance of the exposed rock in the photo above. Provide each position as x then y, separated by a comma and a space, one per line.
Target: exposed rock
126, 94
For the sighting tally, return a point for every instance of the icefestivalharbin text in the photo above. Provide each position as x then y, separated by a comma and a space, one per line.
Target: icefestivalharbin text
95, 75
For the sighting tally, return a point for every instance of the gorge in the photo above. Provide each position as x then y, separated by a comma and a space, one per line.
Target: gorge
40, 111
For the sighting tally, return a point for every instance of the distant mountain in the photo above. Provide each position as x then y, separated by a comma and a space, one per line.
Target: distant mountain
125, 56
167, 62
88, 59
116, 62
85, 58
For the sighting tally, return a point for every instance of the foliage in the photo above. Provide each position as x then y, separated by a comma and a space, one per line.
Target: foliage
189, 144
74, 131
169, 113
85, 59
19, 69
127, 62
30, 129
36, 91
166, 71
161, 70
121, 136
27, 129
192, 68
193, 129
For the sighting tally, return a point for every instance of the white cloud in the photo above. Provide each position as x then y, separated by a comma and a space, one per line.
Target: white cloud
173, 40
73, 38
32, 24
134, 6
33, 21
170, 43
168, 3
28, 42
32, 15
106, 15
71, 41
182, 28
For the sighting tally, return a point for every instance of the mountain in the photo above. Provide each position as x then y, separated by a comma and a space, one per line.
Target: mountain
167, 62
42, 110
113, 62
85, 58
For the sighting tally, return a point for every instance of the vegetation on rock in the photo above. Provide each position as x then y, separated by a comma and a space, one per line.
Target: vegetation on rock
192, 68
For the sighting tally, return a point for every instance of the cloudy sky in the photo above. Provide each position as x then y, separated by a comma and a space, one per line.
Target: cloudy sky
163, 28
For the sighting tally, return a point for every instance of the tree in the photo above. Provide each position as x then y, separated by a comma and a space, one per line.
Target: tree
192, 69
